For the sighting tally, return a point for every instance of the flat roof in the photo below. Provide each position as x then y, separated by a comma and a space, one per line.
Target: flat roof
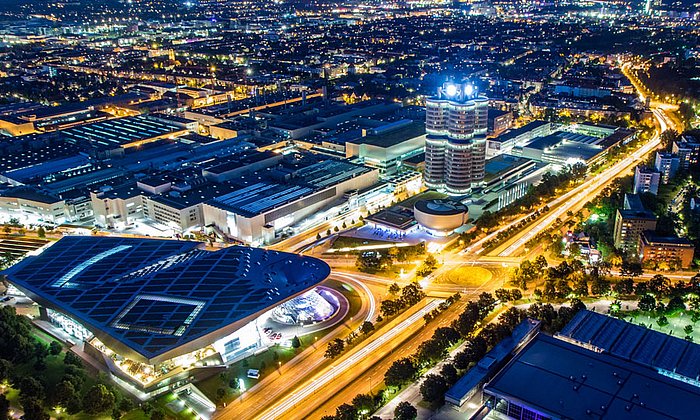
392, 137
563, 380
29, 193
120, 131
515, 132
492, 360
635, 343
153, 299
652, 238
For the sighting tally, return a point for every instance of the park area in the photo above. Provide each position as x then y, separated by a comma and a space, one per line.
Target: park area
673, 324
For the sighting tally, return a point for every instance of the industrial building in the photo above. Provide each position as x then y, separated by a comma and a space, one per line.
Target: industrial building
157, 314
596, 367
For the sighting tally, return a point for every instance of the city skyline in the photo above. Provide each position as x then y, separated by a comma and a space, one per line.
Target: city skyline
216, 209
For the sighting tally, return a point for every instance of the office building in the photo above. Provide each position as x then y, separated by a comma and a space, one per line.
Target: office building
499, 121
630, 222
667, 164
517, 137
646, 180
161, 313
455, 148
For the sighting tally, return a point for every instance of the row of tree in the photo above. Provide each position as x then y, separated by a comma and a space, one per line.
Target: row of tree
410, 294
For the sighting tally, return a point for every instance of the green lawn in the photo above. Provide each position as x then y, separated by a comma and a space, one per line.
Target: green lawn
51, 376
676, 323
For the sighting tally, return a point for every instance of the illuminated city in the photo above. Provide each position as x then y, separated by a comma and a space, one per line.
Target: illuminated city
418, 209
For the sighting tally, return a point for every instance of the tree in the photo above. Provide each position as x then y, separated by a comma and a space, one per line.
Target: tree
675, 304
64, 393
296, 343
659, 285
16, 342
624, 286
516, 294
71, 359
412, 294
345, 412
55, 348
4, 407
5, 369
394, 289
33, 409
446, 335
449, 372
389, 307
486, 303
335, 348
400, 372
662, 321
600, 287
433, 388
41, 232
126, 405
363, 403
157, 415
466, 322
431, 351
369, 262
367, 327
98, 399
502, 295
647, 303
688, 329
405, 411
31, 387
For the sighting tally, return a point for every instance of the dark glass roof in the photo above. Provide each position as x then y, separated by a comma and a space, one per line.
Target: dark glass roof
154, 295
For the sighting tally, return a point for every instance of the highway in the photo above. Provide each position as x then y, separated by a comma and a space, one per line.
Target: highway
579, 195
587, 191
365, 352
274, 386
373, 377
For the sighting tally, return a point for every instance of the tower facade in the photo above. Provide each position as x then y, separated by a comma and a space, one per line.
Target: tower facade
455, 148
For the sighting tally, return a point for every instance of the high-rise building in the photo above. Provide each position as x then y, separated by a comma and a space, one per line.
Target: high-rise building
630, 222
667, 164
646, 180
455, 148
688, 151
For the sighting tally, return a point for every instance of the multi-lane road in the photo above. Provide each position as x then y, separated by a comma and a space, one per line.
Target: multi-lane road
576, 198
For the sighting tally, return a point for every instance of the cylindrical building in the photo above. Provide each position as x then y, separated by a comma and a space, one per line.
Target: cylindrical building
455, 148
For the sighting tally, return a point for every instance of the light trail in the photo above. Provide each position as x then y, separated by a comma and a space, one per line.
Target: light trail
584, 191
280, 409
370, 296
574, 196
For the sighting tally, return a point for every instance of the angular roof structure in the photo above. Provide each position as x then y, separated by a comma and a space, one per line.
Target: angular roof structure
152, 299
